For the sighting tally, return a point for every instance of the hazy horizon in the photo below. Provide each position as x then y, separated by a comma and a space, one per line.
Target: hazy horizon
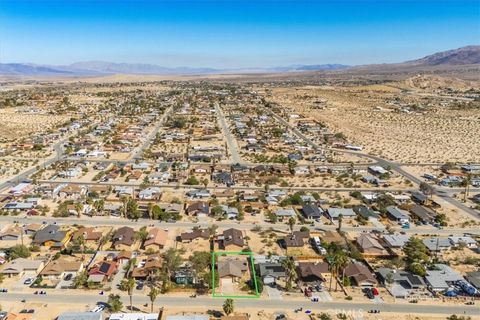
233, 34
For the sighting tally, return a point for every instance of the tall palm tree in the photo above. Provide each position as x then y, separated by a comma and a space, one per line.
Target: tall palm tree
150, 210
342, 261
290, 272
78, 208
340, 220
124, 206
153, 295
129, 285
291, 223
332, 264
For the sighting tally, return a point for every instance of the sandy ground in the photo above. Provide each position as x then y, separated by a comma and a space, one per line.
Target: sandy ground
16, 125
413, 137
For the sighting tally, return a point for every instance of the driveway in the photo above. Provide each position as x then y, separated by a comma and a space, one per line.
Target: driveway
118, 277
322, 296
19, 284
66, 284
227, 287
273, 292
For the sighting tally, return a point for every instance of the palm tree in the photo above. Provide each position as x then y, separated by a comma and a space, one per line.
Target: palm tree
290, 272
228, 306
124, 206
342, 261
291, 223
150, 210
332, 263
340, 220
81, 244
153, 295
78, 208
129, 285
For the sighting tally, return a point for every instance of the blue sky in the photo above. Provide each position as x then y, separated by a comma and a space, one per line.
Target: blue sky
233, 33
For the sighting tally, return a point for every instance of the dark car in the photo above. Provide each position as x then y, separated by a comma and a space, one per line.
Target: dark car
68, 277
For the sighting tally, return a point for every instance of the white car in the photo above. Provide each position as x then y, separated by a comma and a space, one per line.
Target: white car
98, 308
28, 281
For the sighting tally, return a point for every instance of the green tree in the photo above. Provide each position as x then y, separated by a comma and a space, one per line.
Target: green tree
80, 280
192, 181
272, 217
153, 296
200, 260
228, 306
19, 251
416, 255
291, 223
340, 220
114, 302
290, 272
132, 209
171, 263
142, 234
130, 285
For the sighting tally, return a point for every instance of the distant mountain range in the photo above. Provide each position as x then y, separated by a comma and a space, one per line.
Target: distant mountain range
105, 68
462, 56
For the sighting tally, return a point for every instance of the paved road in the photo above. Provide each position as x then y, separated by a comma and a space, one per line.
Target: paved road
137, 152
232, 146
114, 221
256, 304
235, 187
382, 162
441, 192
57, 147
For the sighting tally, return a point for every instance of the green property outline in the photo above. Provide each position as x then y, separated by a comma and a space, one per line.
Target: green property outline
247, 253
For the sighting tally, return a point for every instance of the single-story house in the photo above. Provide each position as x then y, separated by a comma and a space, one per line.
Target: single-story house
436, 244
334, 213
232, 268
270, 272
312, 272
311, 211
124, 238
51, 236
398, 215
423, 214
156, 239
199, 208
57, 269
395, 240
403, 282
231, 239
20, 266
360, 274
441, 278
369, 245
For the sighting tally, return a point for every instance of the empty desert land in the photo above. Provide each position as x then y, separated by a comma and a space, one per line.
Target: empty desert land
385, 124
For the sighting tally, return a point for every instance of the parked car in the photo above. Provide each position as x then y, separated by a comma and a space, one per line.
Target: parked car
98, 308
68, 277
29, 281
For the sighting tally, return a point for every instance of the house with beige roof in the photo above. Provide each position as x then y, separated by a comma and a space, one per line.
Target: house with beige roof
21, 266
156, 239
57, 269
369, 245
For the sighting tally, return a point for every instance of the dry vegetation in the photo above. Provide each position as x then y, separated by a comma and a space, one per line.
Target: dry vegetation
399, 121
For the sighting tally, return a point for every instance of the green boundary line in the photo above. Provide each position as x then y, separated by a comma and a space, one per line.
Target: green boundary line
254, 276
